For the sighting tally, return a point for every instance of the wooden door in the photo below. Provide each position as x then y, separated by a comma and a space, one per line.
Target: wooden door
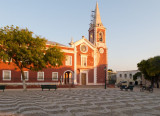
83, 78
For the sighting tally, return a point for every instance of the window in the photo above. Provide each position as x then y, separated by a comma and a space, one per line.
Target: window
25, 75
55, 76
125, 75
7, 75
83, 48
101, 36
91, 37
83, 60
130, 75
120, 75
68, 60
40, 76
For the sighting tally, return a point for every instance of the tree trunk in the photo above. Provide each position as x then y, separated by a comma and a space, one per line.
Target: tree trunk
157, 81
24, 81
152, 81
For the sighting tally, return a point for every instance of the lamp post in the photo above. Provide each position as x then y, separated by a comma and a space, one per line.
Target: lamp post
105, 68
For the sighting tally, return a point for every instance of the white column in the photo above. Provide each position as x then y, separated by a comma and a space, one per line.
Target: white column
107, 62
95, 36
95, 67
75, 65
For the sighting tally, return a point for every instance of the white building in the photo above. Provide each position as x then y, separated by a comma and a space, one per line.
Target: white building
128, 77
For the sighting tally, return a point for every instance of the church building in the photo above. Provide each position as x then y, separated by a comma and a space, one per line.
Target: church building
85, 62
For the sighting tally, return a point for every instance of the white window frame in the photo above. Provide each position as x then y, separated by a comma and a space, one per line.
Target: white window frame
27, 76
9, 75
70, 58
53, 79
81, 60
38, 76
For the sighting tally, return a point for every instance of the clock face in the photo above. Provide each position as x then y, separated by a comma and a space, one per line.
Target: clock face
101, 50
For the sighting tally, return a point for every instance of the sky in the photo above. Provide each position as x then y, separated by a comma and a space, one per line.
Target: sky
133, 26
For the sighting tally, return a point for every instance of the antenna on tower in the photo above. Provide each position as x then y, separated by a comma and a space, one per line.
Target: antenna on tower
92, 17
92, 14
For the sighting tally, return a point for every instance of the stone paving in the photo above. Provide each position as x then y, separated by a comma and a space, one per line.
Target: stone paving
79, 102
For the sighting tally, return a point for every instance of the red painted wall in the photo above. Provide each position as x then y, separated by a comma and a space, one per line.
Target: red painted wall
16, 75
100, 68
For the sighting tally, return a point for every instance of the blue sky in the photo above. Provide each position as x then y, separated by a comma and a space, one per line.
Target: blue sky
133, 26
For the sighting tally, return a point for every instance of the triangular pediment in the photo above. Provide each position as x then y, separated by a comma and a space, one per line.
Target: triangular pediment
84, 40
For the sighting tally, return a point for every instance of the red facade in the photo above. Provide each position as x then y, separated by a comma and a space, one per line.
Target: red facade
85, 63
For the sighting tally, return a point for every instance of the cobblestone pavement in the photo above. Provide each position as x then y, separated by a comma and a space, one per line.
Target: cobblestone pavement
79, 102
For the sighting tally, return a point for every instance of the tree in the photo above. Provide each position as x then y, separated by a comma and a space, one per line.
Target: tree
27, 51
151, 69
138, 74
155, 68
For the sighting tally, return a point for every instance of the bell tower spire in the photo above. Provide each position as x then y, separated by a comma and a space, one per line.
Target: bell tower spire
97, 17
97, 32
97, 36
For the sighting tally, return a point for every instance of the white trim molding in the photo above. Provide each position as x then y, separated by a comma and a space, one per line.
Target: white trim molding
84, 71
27, 76
85, 41
83, 56
9, 71
68, 60
95, 67
64, 75
67, 51
38, 76
75, 65
54, 79
84, 46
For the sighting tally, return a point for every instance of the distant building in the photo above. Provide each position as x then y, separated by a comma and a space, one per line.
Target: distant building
128, 77
111, 77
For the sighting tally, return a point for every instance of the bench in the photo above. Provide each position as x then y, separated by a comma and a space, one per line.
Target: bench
2, 87
49, 87
129, 87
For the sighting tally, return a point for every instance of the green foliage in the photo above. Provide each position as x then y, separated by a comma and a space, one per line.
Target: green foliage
54, 57
154, 68
150, 69
143, 67
27, 50
138, 74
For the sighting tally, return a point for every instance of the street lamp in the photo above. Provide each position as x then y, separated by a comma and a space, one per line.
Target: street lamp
105, 68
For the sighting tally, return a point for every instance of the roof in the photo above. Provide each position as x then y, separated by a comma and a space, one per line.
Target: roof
84, 40
54, 43
128, 71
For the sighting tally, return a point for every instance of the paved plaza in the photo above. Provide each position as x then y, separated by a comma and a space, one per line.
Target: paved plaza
79, 102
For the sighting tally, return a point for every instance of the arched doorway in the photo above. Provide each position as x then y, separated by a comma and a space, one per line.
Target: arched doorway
68, 77
136, 82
